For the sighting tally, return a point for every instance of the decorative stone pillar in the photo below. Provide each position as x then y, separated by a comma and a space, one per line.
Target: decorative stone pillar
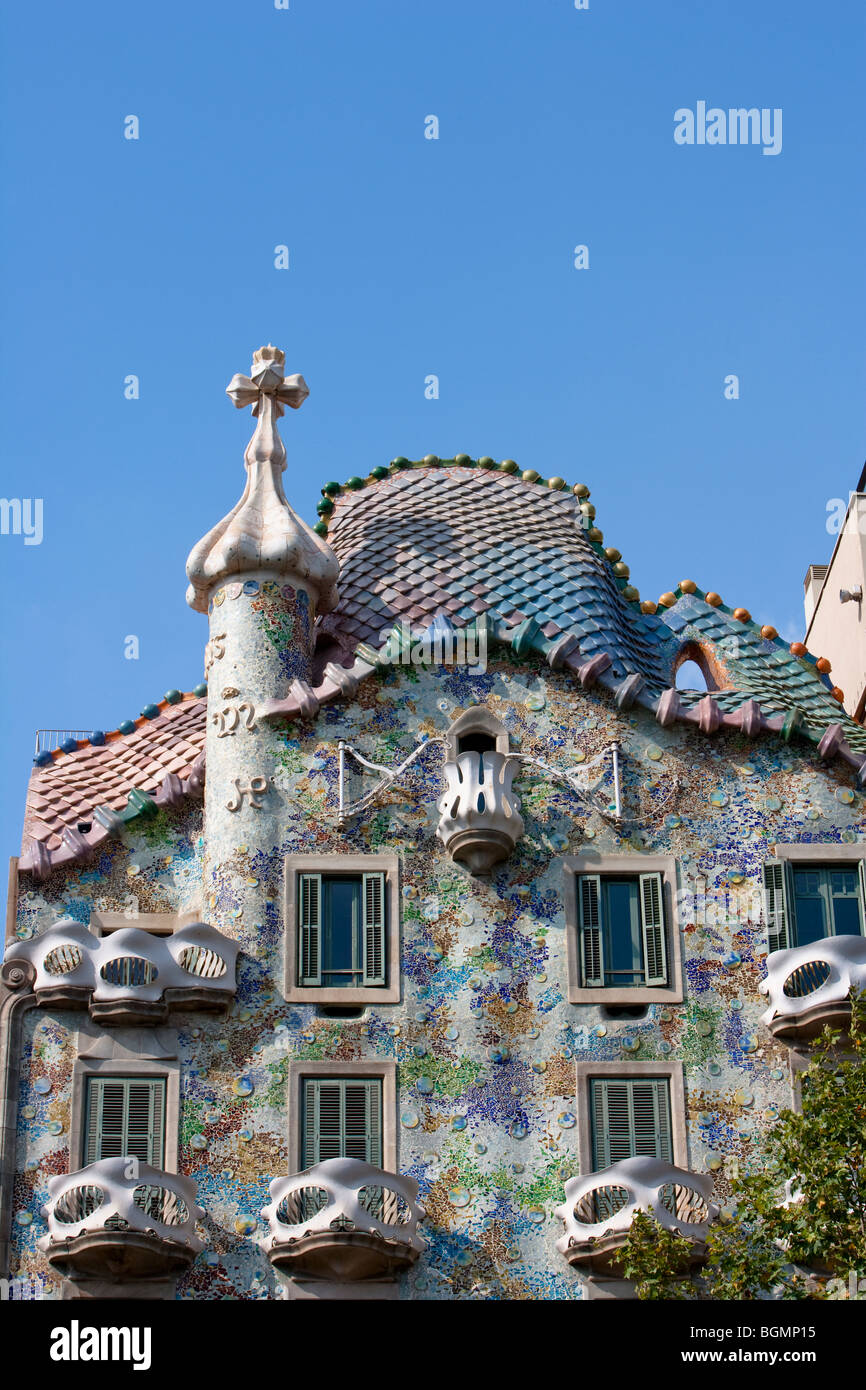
262, 576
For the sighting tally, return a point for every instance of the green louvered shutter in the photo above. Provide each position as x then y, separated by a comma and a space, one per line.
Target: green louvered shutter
777, 904
310, 913
373, 928
125, 1116
591, 953
862, 881
630, 1119
653, 924
342, 1119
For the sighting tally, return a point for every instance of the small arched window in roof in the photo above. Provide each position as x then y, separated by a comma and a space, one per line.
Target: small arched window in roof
691, 677
696, 667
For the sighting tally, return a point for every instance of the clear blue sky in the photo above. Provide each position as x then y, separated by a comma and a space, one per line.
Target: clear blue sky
411, 257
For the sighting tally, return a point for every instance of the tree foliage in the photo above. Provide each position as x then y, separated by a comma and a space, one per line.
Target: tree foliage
798, 1228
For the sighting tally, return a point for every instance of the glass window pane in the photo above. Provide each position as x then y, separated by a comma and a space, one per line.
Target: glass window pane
341, 931
623, 946
846, 916
810, 906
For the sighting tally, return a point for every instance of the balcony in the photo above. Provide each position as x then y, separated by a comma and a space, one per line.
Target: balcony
480, 821
130, 976
344, 1221
598, 1210
808, 987
121, 1220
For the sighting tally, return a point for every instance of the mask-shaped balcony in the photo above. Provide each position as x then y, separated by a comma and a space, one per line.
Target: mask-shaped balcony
808, 987
480, 821
599, 1208
343, 1221
121, 1220
130, 976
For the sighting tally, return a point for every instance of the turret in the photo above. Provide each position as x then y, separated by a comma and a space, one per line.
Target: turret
262, 576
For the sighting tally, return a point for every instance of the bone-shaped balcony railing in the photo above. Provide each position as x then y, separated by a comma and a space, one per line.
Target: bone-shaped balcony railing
130, 970
114, 1203
599, 1207
343, 1219
809, 986
480, 821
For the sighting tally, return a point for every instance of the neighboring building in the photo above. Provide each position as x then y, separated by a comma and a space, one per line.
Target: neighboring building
332, 977
834, 605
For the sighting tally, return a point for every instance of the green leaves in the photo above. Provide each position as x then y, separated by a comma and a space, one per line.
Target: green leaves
821, 1153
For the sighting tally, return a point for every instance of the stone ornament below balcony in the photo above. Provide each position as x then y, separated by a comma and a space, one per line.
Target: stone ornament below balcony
808, 987
480, 821
130, 976
120, 1219
599, 1208
344, 1221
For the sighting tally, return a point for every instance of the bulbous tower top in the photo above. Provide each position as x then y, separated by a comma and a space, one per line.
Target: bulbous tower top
262, 533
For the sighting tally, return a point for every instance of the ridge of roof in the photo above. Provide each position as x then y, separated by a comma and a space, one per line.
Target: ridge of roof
595, 537
99, 738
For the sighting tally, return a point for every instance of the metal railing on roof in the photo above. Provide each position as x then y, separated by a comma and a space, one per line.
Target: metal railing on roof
47, 740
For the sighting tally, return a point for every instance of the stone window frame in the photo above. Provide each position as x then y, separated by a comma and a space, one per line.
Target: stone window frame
618, 996
159, 923
612, 1071
338, 995
383, 1069
119, 1063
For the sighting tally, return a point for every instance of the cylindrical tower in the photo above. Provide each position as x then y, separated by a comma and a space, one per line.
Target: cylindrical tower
262, 575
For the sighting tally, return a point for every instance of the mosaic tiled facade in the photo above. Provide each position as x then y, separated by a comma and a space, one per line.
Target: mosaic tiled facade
488, 1050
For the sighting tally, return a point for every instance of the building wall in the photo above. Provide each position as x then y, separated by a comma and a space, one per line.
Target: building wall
484, 1039
838, 630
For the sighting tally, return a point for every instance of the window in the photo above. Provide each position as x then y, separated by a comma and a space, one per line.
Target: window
630, 1110
342, 930
342, 1110
342, 936
631, 1118
806, 902
342, 1118
125, 1117
623, 939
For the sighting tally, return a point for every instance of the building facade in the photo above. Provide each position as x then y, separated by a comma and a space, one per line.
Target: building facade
438, 927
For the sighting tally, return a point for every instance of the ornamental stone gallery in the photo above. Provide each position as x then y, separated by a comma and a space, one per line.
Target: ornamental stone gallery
378, 966
736, 126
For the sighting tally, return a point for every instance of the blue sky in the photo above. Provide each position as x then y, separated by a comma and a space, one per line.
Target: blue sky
410, 257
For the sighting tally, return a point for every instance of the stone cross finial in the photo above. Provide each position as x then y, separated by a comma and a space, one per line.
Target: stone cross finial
267, 382
267, 390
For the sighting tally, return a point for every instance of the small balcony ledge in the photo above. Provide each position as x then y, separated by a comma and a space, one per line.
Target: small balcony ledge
344, 1221
599, 1208
809, 987
480, 821
122, 1220
131, 976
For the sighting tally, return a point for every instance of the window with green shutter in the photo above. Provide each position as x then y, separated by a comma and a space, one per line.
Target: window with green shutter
341, 1117
804, 903
342, 930
631, 1118
125, 1117
622, 930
